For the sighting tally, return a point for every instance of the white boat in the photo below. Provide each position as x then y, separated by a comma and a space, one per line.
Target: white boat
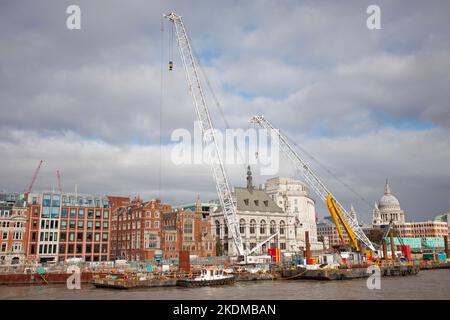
208, 277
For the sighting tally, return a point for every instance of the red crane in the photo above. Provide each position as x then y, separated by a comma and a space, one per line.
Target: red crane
34, 177
59, 181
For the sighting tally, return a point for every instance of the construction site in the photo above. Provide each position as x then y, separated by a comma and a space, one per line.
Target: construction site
250, 233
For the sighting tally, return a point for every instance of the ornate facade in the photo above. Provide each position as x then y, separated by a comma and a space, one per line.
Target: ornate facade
283, 206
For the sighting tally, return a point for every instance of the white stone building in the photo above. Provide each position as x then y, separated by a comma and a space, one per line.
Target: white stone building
261, 214
293, 197
388, 209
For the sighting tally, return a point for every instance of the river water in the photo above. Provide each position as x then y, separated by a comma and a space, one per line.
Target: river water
429, 284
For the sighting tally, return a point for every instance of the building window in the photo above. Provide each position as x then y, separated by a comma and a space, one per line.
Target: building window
72, 224
105, 214
89, 224
156, 224
217, 228
156, 214
273, 227
188, 227
105, 236
97, 225
282, 227
72, 236
97, 236
90, 214
80, 224
242, 226
105, 225
98, 213
5, 236
252, 226
262, 227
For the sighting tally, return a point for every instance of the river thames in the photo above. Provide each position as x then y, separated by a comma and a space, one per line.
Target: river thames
428, 284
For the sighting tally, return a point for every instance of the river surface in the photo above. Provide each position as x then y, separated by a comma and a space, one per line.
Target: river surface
428, 284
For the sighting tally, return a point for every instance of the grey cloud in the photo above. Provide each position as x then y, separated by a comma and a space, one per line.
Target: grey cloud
88, 102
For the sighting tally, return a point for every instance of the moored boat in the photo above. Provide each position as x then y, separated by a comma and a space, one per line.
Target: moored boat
208, 277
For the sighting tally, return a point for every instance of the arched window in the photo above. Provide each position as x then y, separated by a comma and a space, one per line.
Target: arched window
262, 227
252, 226
242, 226
217, 228
282, 226
273, 227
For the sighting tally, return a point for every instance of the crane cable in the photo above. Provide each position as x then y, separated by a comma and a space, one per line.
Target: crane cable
161, 93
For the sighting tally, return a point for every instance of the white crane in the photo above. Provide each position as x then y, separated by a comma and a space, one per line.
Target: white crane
207, 129
209, 137
312, 179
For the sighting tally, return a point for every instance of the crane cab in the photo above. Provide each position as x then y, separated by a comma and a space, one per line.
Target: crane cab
170, 65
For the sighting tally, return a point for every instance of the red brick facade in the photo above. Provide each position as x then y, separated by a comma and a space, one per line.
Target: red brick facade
137, 230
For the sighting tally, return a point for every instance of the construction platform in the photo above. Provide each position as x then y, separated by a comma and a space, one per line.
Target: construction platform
345, 274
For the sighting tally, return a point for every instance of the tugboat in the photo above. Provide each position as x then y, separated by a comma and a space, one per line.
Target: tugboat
208, 277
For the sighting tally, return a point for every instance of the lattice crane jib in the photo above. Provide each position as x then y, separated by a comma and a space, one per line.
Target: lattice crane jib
311, 178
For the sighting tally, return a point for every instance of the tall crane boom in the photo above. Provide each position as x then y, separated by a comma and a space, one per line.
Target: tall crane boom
207, 129
36, 172
312, 179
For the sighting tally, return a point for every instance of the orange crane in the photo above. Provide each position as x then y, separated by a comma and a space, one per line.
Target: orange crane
33, 179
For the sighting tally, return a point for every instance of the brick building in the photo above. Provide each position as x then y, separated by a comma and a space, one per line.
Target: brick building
137, 232
13, 222
65, 225
189, 229
436, 229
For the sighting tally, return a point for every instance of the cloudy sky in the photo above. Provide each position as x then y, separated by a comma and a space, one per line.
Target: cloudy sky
367, 104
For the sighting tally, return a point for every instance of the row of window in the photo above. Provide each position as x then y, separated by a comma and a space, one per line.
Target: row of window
86, 258
7, 224
137, 215
80, 224
88, 248
16, 235
70, 248
16, 247
253, 225
81, 213
70, 236
137, 225
54, 201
